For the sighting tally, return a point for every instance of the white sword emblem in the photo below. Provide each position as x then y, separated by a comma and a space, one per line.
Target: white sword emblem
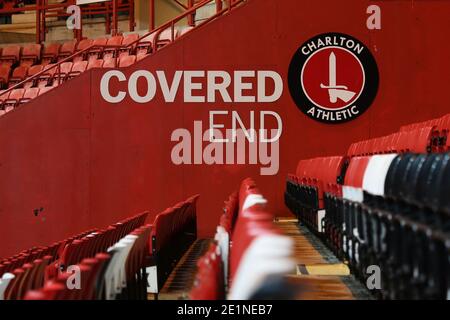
336, 91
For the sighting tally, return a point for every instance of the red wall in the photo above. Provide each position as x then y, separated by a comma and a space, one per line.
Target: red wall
88, 163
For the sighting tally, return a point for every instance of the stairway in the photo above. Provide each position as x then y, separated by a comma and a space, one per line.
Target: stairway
319, 275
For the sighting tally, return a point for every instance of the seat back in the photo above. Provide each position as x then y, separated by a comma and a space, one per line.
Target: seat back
126, 61
98, 63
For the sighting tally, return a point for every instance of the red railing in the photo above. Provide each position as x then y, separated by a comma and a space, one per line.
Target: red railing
154, 43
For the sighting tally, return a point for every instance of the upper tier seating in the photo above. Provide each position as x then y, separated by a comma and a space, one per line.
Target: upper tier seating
259, 250
394, 209
17, 64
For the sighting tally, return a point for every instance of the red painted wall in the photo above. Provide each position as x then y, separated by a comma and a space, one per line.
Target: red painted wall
89, 163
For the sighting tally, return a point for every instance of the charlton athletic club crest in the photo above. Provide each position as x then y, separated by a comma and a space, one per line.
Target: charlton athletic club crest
333, 78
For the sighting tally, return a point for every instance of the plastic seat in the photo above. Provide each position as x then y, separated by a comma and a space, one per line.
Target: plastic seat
5, 71
126, 61
141, 56
82, 45
115, 41
97, 50
431, 181
5, 280
376, 172
33, 70
3, 96
268, 254
166, 37
62, 72
145, 45
422, 140
10, 55
67, 49
19, 74
46, 77
353, 183
13, 99
77, 69
128, 44
29, 94
109, 63
95, 64
30, 54
50, 53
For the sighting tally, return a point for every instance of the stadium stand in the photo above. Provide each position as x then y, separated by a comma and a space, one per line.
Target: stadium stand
23, 67
112, 261
259, 250
385, 203
390, 207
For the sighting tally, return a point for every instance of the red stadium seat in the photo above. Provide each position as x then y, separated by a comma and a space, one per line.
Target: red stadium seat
145, 45
67, 49
10, 55
126, 61
97, 50
47, 76
127, 46
78, 68
82, 45
3, 98
19, 74
29, 94
166, 37
30, 54
50, 54
141, 56
31, 72
13, 99
62, 72
109, 63
113, 41
4, 75
95, 64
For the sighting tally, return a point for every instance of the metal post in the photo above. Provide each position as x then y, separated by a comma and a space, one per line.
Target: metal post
107, 18
38, 21
115, 18
131, 16
191, 17
151, 24
219, 5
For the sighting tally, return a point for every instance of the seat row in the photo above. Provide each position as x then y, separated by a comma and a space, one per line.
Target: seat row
415, 140
258, 250
15, 60
64, 71
174, 230
43, 265
395, 213
118, 273
391, 206
428, 136
51, 53
209, 280
17, 97
306, 190
51, 77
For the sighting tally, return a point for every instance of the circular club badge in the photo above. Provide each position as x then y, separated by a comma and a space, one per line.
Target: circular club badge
333, 78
